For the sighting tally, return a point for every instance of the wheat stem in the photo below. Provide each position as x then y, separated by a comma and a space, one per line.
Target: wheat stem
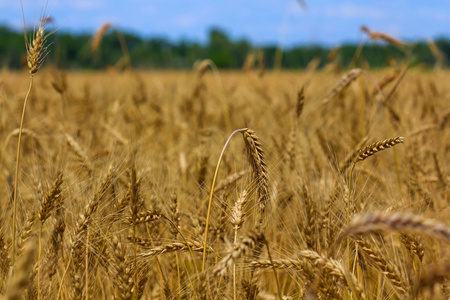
16, 176
211, 194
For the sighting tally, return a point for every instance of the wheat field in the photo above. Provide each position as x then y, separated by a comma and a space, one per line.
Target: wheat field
117, 168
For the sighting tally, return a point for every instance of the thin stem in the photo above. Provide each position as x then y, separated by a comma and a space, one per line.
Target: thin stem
211, 194
135, 259
234, 266
226, 112
39, 263
274, 270
348, 213
157, 258
123, 45
16, 176
87, 264
187, 245
62, 278
185, 240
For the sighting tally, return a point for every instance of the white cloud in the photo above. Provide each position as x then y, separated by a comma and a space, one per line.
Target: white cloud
148, 9
434, 13
186, 20
347, 11
87, 4
78, 4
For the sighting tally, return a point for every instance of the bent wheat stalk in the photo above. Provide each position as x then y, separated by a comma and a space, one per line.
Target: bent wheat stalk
211, 194
259, 168
378, 221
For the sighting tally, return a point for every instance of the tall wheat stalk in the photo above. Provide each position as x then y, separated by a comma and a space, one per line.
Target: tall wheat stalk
35, 50
259, 168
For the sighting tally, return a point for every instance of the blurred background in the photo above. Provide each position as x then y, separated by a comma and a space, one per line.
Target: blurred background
174, 34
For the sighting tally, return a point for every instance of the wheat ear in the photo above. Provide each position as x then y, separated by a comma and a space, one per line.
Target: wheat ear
96, 41
372, 222
34, 51
342, 84
386, 267
413, 244
256, 158
241, 248
381, 36
174, 247
376, 147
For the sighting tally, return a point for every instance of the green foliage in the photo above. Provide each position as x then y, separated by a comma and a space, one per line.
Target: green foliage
72, 51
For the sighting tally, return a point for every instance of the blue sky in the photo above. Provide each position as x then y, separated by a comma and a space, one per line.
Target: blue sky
262, 22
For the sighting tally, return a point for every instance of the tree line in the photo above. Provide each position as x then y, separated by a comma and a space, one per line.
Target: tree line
73, 51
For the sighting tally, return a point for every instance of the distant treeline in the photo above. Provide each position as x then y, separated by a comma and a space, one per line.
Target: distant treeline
73, 51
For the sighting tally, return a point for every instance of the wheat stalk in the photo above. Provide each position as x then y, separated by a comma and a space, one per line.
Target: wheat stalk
96, 41
22, 275
438, 55
76, 148
47, 205
333, 267
342, 84
431, 276
34, 60
386, 267
372, 222
124, 279
333, 54
231, 179
300, 102
241, 248
382, 36
385, 81
352, 155
175, 215
143, 217
257, 161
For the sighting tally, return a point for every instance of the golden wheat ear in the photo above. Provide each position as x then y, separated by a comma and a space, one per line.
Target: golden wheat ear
342, 84
35, 50
98, 37
378, 146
